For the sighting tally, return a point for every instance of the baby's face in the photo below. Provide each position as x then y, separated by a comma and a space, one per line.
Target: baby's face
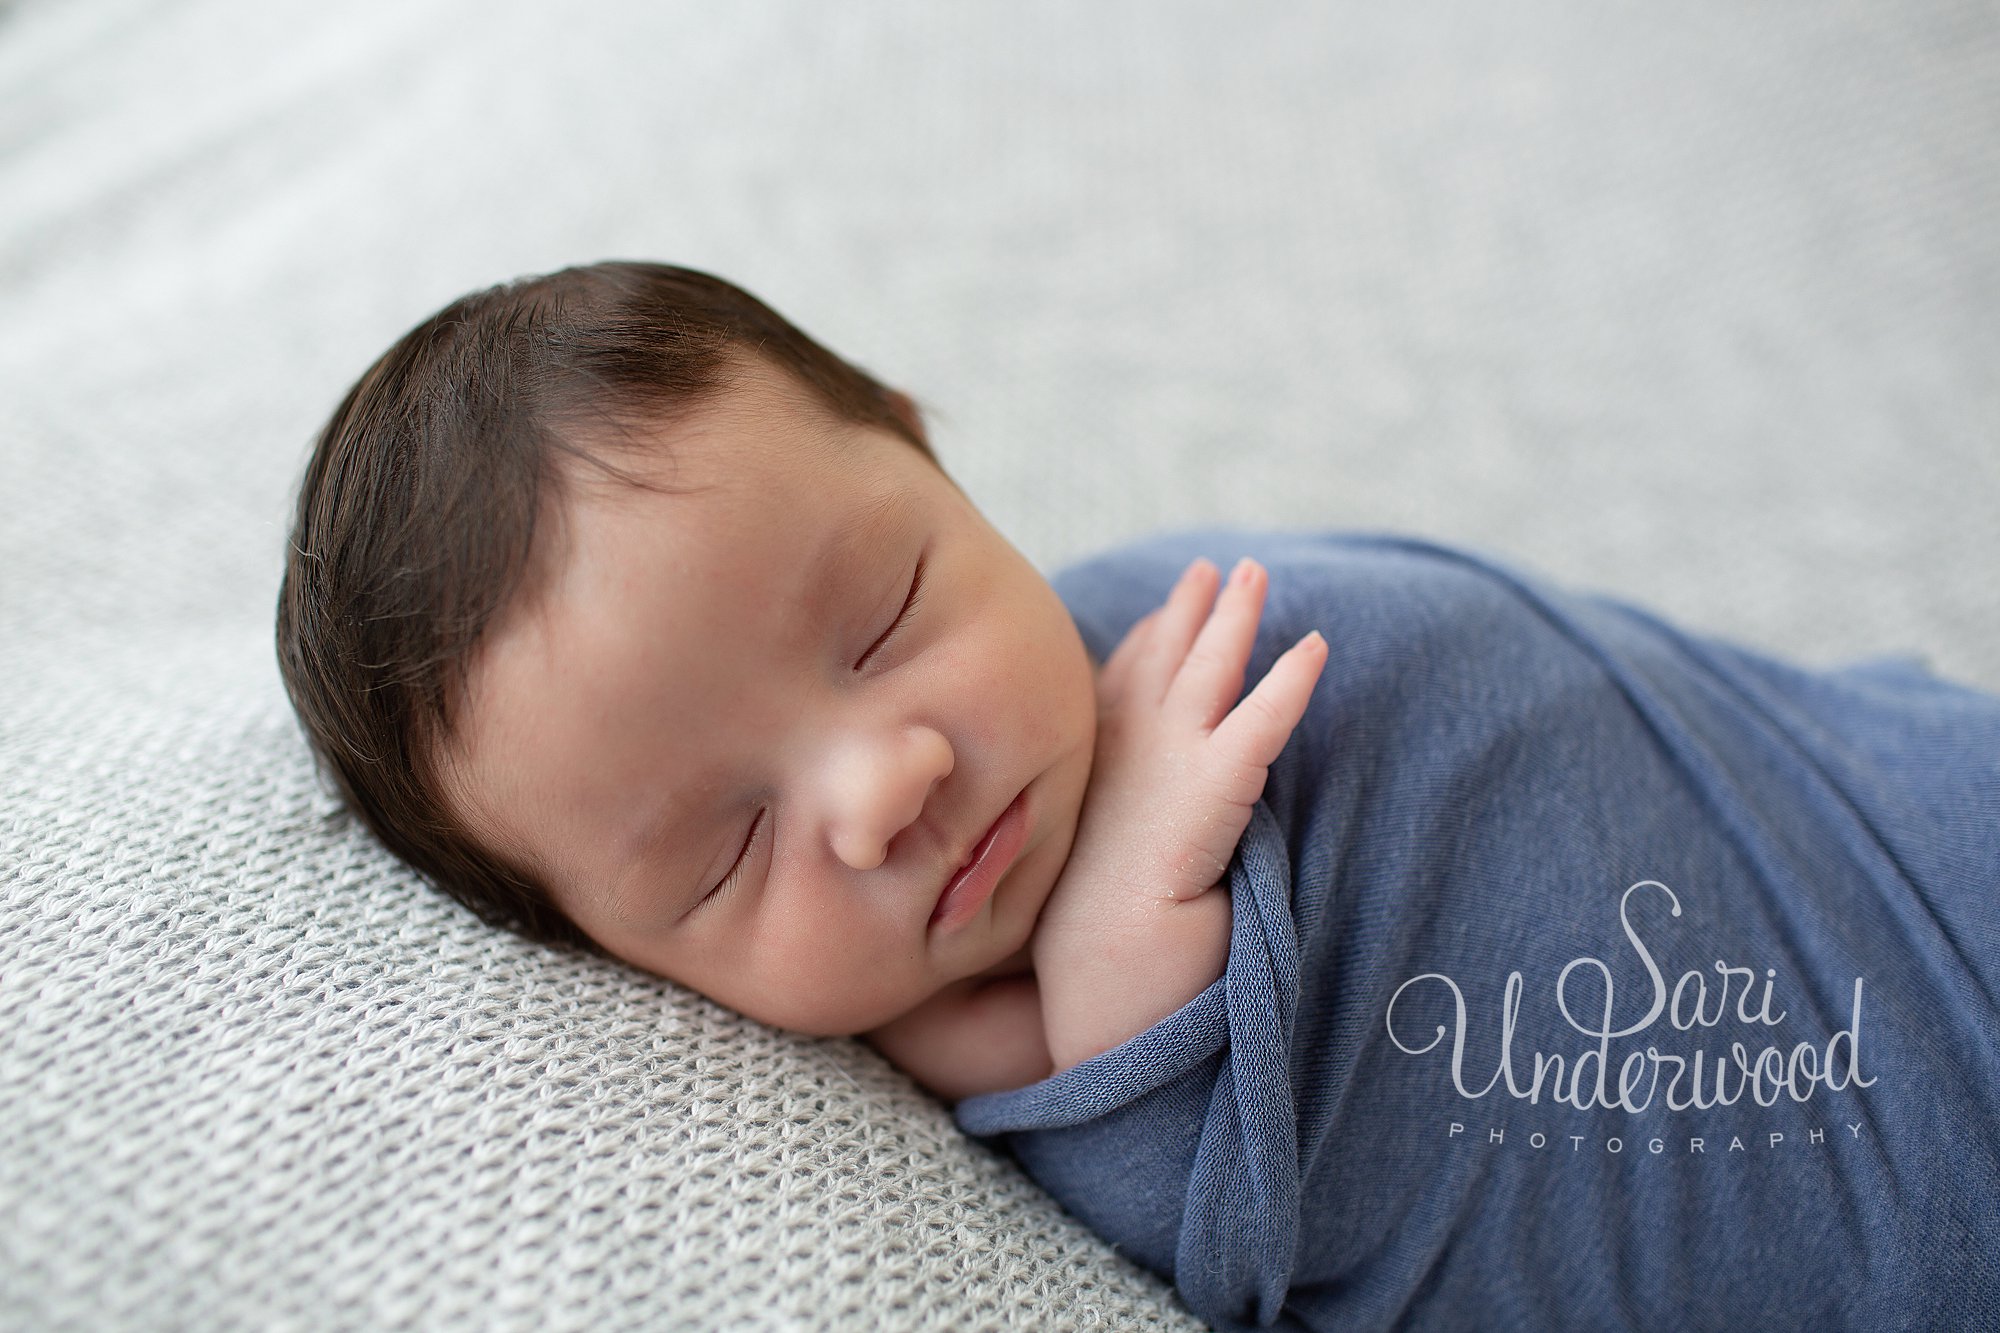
707, 690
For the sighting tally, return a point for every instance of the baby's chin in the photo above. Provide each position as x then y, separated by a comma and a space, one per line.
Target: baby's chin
847, 1015
847, 1023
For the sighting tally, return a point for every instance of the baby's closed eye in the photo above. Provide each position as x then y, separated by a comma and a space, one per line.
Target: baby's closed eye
910, 602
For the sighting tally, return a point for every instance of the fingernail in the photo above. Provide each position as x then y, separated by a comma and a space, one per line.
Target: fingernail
1241, 574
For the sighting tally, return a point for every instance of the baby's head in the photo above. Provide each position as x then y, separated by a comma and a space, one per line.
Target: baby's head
611, 587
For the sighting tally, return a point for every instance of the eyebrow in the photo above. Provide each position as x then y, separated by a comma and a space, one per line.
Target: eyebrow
871, 524
828, 572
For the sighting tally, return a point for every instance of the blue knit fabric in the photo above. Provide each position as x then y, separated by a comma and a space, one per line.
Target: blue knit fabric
1584, 973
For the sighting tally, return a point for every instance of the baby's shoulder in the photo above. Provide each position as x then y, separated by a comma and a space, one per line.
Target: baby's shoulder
1377, 594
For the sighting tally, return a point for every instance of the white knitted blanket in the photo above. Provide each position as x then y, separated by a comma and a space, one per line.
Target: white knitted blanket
1693, 303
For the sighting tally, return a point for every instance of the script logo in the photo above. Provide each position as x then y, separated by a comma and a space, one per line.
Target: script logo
1693, 1082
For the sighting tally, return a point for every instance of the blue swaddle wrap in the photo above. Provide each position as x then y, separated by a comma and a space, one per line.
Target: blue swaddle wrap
1583, 973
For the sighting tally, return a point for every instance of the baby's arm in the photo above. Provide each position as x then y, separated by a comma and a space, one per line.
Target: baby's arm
1135, 928
980, 1035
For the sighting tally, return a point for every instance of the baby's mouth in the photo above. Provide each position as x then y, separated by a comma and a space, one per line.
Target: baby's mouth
973, 883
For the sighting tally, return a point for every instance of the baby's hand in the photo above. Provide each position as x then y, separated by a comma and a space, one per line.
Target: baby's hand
1177, 768
1130, 932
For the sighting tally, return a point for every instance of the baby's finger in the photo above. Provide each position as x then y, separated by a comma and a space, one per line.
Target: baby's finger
1211, 678
1168, 639
1257, 729
1113, 677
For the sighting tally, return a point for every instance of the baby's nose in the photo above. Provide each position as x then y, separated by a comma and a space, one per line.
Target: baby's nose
887, 794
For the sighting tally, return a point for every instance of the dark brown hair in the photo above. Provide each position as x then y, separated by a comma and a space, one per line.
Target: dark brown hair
417, 513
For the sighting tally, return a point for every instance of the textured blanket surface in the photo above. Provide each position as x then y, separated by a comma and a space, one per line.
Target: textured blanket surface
1582, 972
1692, 302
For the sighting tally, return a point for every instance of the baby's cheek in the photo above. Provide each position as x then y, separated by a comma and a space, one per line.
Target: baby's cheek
836, 983
1069, 712
992, 693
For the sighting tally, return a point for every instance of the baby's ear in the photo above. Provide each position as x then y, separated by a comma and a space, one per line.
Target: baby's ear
907, 412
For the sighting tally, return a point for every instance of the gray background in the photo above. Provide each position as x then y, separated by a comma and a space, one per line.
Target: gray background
1689, 303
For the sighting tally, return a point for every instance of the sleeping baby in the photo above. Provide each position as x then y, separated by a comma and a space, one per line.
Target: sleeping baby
1542, 965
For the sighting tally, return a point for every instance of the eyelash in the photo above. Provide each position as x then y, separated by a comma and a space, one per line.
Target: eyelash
909, 609
742, 863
